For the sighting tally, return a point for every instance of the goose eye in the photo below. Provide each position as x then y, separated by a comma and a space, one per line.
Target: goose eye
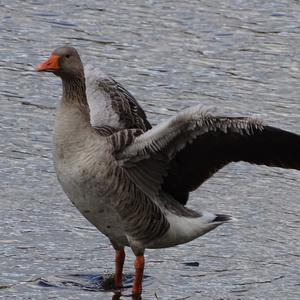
68, 55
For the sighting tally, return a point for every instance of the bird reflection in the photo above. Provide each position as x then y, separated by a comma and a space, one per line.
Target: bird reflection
118, 295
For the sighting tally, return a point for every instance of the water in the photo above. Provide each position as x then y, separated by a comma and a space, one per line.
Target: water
240, 56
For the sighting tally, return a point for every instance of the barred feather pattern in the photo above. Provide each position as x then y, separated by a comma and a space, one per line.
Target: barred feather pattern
106, 130
124, 104
183, 129
208, 123
143, 219
122, 138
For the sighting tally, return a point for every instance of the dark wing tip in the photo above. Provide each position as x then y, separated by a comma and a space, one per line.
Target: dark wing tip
222, 218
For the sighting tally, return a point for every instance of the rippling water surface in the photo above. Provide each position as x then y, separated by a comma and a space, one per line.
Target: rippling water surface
240, 56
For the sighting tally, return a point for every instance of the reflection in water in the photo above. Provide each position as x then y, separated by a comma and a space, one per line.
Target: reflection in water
89, 282
118, 295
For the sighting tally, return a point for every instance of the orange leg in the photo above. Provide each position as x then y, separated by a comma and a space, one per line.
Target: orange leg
139, 271
119, 262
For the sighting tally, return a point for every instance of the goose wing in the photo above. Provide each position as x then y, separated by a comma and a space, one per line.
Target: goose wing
178, 155
111, 104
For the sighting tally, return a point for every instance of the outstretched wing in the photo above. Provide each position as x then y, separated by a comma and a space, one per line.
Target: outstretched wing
181, 153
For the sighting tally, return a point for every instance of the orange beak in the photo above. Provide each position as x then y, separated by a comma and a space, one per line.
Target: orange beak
50, 65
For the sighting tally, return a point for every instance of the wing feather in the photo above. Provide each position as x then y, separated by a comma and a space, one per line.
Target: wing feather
111, 104
178, 155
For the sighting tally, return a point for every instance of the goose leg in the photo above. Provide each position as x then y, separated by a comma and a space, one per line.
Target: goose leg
139, 271
119, 262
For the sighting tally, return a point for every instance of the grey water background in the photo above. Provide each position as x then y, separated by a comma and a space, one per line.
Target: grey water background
236, 55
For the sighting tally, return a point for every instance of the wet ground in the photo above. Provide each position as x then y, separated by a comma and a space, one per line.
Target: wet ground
241, 56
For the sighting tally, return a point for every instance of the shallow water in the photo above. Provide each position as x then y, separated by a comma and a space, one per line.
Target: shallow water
240, 56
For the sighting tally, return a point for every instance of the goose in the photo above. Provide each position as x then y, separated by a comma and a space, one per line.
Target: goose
132, 181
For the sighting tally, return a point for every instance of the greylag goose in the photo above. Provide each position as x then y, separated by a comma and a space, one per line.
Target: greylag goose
132, 181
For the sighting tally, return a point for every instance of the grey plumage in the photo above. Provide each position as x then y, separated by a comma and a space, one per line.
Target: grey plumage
132, 181
111, 104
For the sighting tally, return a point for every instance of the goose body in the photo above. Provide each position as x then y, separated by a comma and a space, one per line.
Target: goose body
100, 190
132, 181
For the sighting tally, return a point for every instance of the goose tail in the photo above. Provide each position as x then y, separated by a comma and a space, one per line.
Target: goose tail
221, 218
